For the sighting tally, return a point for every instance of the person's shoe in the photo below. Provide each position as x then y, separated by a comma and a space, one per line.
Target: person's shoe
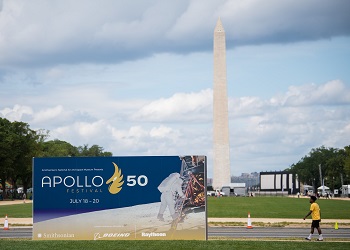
160, 217
307, 238
320, 239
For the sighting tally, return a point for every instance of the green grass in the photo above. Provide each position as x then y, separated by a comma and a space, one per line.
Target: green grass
238, 207
211, 244
16, 211
274, 207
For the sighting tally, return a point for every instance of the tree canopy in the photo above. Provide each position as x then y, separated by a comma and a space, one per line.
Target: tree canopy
19, 144
331, 163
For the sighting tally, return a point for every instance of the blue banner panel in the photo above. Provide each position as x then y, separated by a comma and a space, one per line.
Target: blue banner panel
119, 198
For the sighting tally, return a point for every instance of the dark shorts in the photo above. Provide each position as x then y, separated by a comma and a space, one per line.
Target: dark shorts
315, 223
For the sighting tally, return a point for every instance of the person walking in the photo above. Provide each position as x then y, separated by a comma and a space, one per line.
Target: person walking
315, 212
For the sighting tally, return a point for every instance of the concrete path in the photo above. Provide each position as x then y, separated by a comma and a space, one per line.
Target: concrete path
14, 202
325, 223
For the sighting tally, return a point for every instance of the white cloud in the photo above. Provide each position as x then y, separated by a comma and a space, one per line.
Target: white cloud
135, 140
280, 133
54, 113
162, 132
333, 92
179, 107
83, 132
265, 134
16, 113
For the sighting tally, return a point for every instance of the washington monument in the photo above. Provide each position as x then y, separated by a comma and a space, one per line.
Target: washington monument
222, 173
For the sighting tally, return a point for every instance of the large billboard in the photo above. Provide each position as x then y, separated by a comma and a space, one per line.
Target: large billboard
119, 198
279, 181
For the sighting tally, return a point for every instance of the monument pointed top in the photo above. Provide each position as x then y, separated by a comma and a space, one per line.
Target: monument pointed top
219, 27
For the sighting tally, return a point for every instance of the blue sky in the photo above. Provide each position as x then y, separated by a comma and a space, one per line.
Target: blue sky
136, 77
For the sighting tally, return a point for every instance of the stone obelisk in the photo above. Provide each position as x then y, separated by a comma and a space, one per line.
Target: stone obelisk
221, 151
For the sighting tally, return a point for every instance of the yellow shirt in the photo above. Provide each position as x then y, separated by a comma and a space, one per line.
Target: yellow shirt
315, 211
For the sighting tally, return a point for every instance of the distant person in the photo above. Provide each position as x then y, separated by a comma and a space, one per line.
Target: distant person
315, 212
24, 198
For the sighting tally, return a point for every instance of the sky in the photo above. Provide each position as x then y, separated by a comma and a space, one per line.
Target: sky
136, 77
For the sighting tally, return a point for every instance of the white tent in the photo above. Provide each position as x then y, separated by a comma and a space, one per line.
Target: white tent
307, 189
323, 190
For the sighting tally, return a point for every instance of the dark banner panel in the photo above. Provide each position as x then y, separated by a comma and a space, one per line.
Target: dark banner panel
125, 198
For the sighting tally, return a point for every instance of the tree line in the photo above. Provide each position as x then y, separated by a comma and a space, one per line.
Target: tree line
332, 164
19, 144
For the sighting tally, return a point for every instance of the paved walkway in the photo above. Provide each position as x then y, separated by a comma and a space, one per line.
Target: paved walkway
14, 202
301, 222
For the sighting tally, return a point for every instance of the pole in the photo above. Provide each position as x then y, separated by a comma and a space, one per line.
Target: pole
342, 187
321, 180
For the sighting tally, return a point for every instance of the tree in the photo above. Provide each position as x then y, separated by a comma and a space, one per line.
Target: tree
6, 156
19, 144
331, 162
26, 146
57, 148
335, 169
94, 150
347, 162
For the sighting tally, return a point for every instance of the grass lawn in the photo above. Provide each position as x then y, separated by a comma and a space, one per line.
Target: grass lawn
211, 244
238, 207
274, 207
16, 211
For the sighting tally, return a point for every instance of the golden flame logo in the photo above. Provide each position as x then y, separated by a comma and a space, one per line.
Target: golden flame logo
116, 179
